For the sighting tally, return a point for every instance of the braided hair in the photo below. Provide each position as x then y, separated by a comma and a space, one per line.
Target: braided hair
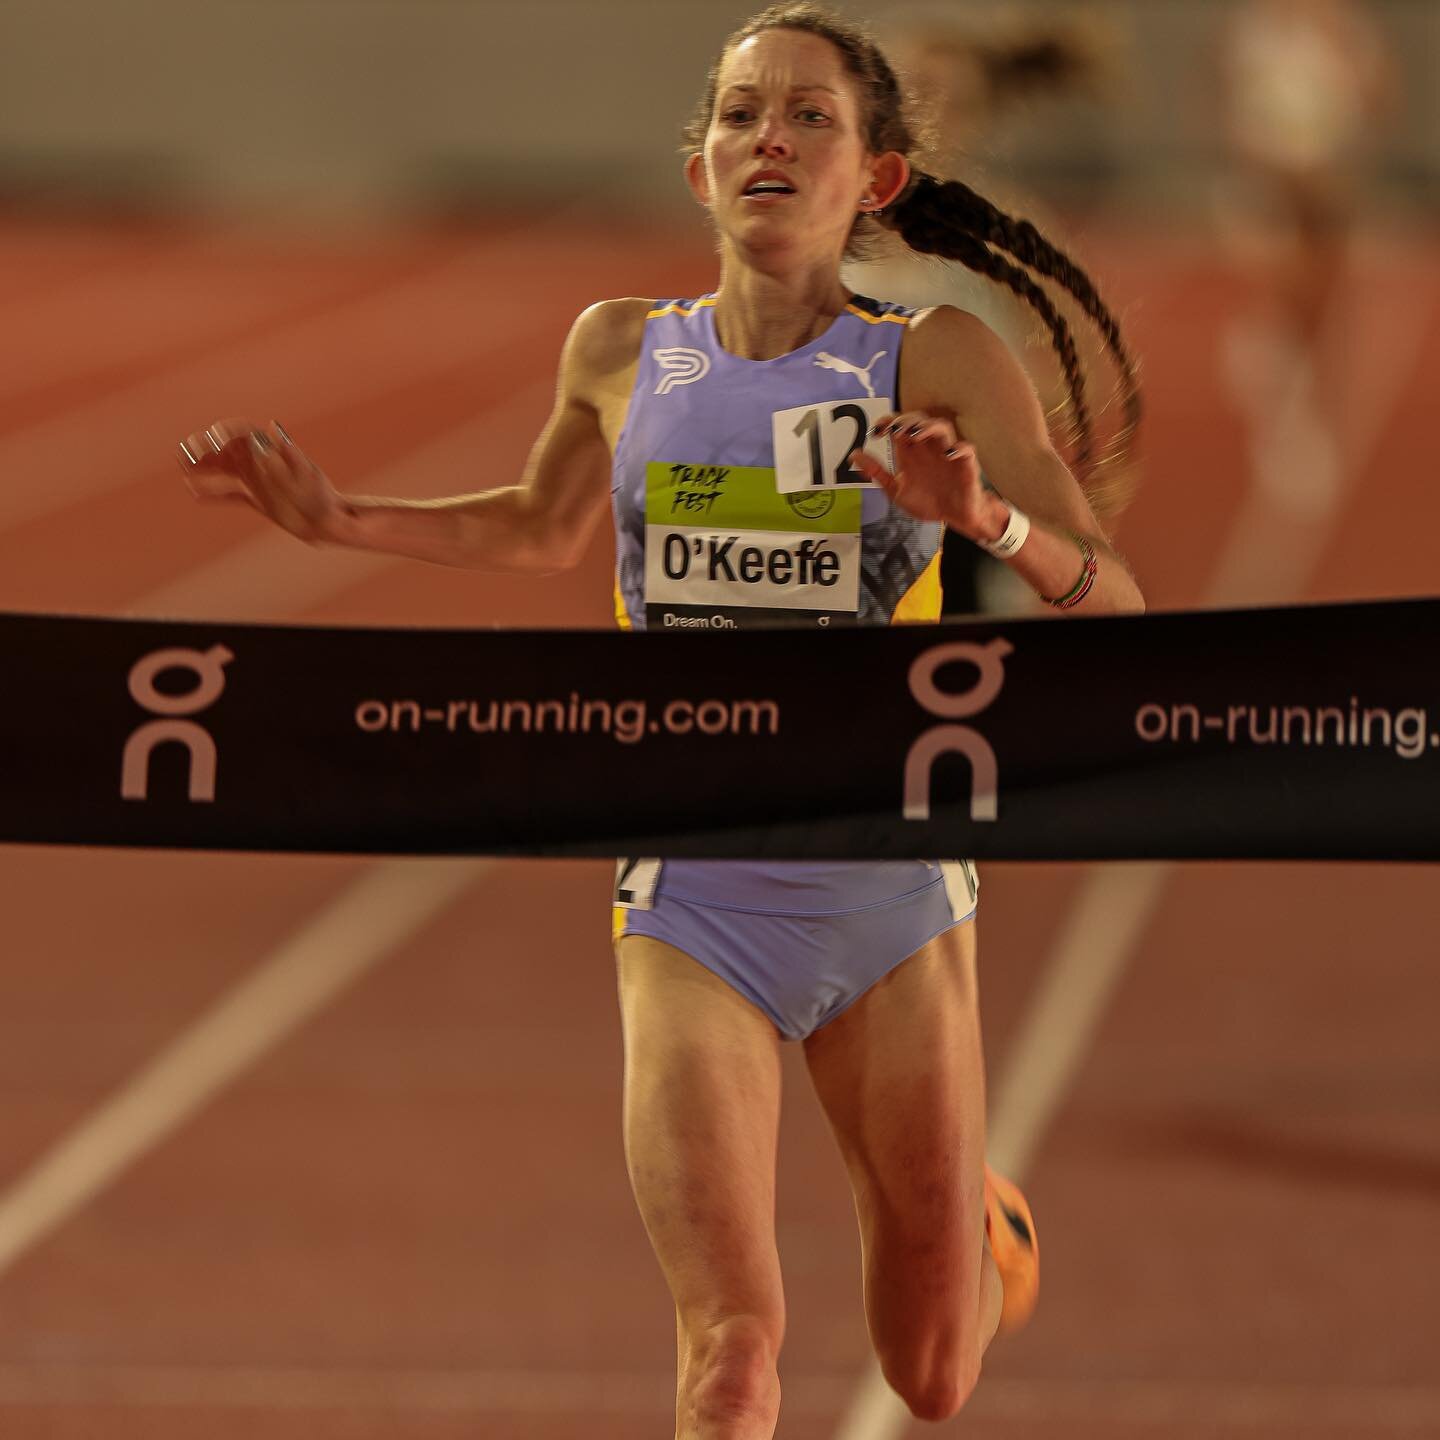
946, 218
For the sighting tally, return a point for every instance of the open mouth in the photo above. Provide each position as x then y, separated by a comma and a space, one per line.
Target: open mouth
768, 187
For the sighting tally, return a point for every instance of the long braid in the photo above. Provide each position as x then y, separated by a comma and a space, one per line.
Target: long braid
949, 219
1022, 240
975, 255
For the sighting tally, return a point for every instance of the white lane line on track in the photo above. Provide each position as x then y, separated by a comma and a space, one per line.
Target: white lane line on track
1101, 932
1270, 551
374, 915
1349, 1409
371, 917
267, 578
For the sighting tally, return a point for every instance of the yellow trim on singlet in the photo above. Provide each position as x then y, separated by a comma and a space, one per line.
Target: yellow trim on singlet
922, 601
870, 319
622, 615
617, 921
675, 308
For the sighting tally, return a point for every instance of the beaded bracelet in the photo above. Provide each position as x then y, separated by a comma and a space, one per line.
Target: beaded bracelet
1082, 586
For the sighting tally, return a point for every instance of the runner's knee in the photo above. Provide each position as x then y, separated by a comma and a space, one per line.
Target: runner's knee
728, 1370
933, 1381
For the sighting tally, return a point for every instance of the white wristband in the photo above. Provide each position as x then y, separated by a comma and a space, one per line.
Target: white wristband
1017, 531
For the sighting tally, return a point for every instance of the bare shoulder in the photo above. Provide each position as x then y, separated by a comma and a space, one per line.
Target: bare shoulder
604, 342
944, 340
955, 362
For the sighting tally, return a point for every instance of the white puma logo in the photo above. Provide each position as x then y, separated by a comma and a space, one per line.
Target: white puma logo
826, 361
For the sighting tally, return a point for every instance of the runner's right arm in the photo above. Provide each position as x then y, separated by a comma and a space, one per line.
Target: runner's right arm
543, 523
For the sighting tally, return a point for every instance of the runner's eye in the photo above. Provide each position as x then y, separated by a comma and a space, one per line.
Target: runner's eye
737, 115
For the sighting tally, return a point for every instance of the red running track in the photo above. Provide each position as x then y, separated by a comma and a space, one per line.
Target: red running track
410, 1216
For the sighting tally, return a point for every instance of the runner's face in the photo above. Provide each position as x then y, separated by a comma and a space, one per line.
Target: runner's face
786, 113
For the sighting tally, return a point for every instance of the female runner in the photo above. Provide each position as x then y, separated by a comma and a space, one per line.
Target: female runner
869, 964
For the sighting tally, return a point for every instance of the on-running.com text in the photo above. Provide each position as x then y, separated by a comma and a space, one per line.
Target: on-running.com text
1405, 731
627, 721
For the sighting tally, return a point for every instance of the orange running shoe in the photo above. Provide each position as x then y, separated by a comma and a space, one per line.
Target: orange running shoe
1010, 1229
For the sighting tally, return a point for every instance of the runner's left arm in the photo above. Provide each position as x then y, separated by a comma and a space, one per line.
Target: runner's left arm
970, 408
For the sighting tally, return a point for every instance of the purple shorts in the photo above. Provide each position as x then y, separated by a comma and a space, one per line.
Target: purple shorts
801, 940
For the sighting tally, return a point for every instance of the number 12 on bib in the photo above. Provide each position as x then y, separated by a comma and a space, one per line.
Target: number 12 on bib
813, 444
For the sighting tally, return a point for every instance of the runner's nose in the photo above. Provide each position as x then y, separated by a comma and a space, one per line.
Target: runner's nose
772, 140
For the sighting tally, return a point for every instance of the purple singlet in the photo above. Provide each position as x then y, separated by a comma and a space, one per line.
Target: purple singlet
734, 508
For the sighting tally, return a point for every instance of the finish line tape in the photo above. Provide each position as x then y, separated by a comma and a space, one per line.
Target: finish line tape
1302, 733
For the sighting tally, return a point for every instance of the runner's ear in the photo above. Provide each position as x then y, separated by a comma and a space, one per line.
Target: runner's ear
889, 175
698, 178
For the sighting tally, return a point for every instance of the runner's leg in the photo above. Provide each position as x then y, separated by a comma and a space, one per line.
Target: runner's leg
702, 1107
901, 1077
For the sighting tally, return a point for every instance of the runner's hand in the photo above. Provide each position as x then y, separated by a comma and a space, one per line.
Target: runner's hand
237, 460
937, 474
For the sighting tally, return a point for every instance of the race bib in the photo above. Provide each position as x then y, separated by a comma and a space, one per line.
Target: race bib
813, 442
725, 549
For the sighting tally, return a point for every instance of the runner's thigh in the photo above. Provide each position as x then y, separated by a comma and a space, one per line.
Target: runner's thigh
702, 1105
901, 1077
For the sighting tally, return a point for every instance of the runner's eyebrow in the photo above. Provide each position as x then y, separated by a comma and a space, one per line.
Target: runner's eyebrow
794, 89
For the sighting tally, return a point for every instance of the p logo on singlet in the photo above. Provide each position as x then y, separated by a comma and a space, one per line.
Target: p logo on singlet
989, 662
681, 366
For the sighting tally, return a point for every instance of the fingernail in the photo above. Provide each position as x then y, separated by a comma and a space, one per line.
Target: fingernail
261, 441
913, 430
211, 441
188, 455
877, 428
893, 428
283, 433
951, 453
